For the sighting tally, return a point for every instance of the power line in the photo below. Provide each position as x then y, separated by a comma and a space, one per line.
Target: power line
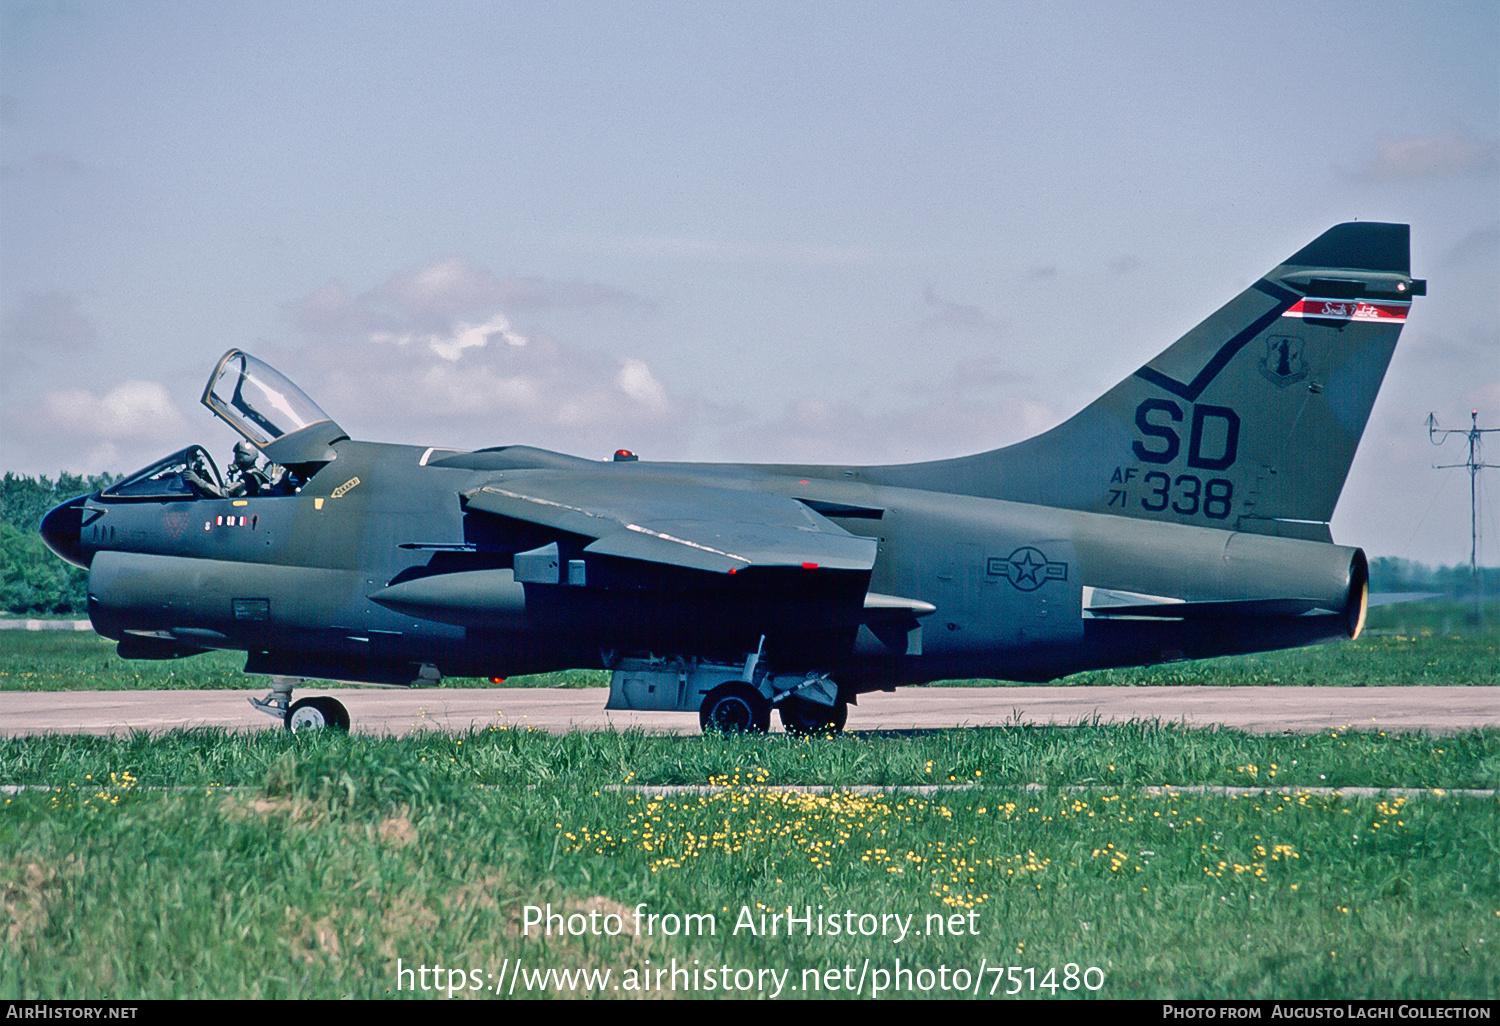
1474, 465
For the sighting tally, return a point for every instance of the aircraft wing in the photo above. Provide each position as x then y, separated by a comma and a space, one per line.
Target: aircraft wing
676, 522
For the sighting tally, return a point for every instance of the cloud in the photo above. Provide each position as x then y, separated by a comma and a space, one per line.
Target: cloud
49, 320
1444, 155
673, 247
437, 349
447, 285
973, 404
434, 357
136, 409
90, 432
559, 395
483, 384
1125, 264
540, 294
576, 399
487, 392
451, 345
434, 299
637, 382
330, 310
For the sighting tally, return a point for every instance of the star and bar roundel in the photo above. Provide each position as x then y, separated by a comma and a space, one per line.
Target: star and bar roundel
1027, 568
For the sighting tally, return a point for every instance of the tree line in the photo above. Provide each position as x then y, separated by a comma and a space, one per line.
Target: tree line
1391, 573
32, 579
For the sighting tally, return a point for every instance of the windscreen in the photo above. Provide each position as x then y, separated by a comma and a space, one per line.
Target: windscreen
189, 474
257, 401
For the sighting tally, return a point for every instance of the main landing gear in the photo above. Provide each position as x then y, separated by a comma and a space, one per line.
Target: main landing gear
736, 708
730, 698
317, 713
802, 717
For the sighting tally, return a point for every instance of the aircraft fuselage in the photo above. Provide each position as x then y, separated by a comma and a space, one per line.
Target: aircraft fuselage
289, 580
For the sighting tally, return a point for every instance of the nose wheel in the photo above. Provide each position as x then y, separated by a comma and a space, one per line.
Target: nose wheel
318, 713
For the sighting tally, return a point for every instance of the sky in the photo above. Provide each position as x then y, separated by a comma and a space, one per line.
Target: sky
773, 231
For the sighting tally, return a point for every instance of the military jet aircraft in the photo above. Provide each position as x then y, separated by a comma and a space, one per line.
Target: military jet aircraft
1183, 514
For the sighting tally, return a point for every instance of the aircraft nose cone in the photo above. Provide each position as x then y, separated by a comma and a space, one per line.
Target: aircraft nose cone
61, 529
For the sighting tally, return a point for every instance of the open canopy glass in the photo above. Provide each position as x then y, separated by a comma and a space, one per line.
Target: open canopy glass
256, 400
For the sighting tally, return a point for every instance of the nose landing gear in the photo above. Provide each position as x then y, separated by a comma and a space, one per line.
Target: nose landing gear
317, 713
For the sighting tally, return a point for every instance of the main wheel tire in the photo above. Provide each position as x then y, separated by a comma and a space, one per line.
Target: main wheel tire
318, 713
804, 718
735, 708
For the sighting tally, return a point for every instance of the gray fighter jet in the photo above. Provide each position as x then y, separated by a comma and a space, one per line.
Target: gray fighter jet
1184, 514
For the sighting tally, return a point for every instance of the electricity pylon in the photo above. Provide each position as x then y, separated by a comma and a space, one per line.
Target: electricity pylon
1474, 464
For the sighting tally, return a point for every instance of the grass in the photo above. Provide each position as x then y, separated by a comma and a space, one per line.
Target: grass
205, 864
1108, 755
1412, 644
202, 864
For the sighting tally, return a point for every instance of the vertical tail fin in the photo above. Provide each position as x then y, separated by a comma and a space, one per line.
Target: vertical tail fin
1248, 422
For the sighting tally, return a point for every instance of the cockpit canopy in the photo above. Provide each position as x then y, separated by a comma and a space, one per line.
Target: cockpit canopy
273, 414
